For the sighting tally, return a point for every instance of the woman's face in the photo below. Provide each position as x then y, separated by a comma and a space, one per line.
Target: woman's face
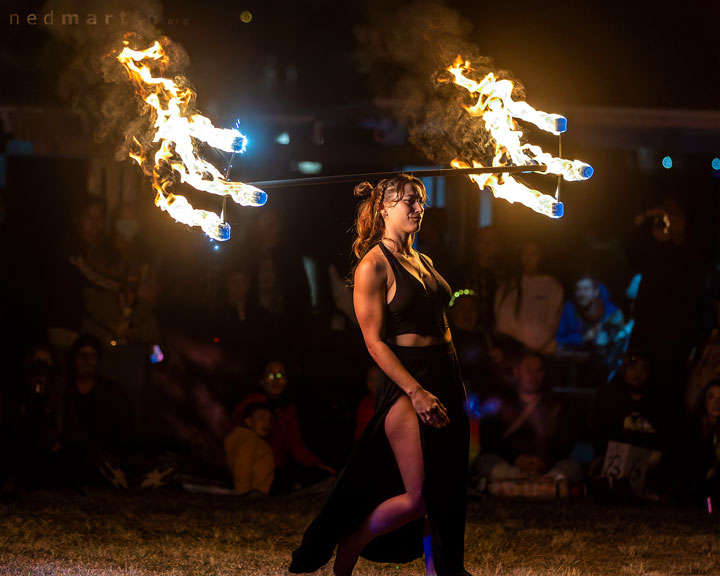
405, 216
712, 402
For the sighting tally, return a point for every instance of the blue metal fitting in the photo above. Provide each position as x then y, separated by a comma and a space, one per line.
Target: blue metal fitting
223, 232
238, 144
560, 124
587, 171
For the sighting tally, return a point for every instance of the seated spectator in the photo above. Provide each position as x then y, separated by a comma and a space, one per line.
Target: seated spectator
482, 273
97, 426
366, 408
472, 343
624, 409
626, 413
587, 319
696, 458
706, 366
295, 464
529, 434
249, 456
29, 435
528, 307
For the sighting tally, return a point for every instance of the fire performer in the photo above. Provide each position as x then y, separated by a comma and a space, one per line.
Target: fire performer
403, 492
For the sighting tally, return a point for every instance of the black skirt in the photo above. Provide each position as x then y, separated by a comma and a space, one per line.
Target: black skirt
372, 476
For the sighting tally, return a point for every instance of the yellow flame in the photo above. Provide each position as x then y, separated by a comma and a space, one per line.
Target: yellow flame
498, 111
176, 130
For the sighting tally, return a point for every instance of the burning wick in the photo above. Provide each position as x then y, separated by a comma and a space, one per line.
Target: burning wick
177, 128
498, 110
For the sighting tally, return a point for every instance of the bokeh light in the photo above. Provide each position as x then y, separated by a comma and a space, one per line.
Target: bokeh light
716, 163
667, 162
246, 16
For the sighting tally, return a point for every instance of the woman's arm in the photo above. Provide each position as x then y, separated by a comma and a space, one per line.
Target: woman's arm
369, 295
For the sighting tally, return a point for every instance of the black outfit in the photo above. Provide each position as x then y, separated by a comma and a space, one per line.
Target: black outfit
666, 315
372, 475
95, 425
619, 417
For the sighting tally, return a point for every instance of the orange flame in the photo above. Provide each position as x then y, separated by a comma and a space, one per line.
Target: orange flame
498, 110
176, 130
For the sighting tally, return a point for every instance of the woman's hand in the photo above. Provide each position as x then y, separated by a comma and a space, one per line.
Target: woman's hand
429, 409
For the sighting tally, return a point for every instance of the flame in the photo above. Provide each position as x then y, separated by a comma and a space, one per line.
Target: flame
498, 111
177, 129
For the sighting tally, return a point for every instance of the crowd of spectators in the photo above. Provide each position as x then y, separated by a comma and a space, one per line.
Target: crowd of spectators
249, 370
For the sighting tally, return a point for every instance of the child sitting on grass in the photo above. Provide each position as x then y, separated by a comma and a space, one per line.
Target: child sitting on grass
249, 456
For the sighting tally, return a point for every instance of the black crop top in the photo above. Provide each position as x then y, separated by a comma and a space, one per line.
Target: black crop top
413, 309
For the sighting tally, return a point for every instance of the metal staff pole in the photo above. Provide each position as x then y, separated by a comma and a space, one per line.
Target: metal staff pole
319, 180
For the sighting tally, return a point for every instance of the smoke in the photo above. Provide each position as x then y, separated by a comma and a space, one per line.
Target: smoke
405, 49
94, 82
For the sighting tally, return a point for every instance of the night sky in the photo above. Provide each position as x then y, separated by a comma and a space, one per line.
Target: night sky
633, 53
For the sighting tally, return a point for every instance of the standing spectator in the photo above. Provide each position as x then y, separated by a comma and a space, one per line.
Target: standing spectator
249, 456
65, 295
666, 309
278, 281
119, 300
242, 328
432, 240
528, 307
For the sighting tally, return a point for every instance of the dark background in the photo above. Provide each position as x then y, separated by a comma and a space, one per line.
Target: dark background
299, 64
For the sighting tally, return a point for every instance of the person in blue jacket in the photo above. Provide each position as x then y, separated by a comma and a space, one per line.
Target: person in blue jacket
588, 318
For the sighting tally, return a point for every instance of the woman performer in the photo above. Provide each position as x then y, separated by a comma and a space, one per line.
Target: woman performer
404, 489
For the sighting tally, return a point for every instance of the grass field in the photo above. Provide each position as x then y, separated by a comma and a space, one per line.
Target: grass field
169, 531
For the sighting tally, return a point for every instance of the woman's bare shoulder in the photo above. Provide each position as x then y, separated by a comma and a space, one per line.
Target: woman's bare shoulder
373, 266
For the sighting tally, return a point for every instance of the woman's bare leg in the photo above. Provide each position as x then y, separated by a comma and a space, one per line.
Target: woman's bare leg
403, 432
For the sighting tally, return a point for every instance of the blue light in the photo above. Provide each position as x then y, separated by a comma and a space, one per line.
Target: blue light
216, 247
716, 163
307, 167
283, 138
667, 162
